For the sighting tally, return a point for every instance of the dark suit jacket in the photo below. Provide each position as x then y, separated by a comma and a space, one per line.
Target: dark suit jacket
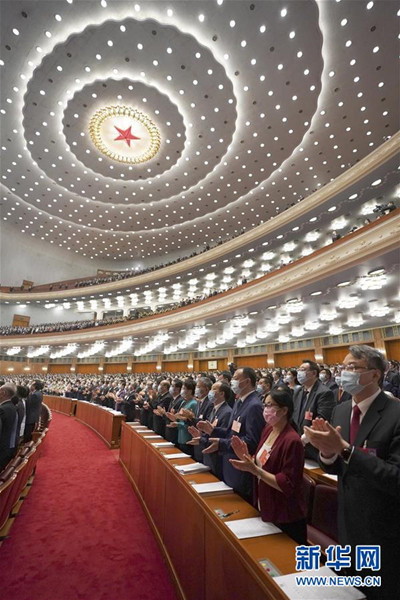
320, 403
8, 416
250, 414
171, 433
33, 407
369, 486
221, 416
159, 422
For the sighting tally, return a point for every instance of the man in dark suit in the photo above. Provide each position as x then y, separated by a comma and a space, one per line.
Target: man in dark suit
203, 410
362, 446
220, 416
8, 423
171, 434
246, 421
313, 399
163, 400
33, 408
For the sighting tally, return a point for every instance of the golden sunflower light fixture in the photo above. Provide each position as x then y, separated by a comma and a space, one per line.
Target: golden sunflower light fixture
124, 134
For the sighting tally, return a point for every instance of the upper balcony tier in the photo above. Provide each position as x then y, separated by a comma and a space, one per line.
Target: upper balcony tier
369, 182
334, 274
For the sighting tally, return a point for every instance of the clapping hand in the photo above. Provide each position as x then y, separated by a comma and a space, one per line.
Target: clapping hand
325, 438
205, 427
239, 447
194, 432
213, 447
171, 416
247, 464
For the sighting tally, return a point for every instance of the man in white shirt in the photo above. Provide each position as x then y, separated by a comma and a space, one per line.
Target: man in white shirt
362, 446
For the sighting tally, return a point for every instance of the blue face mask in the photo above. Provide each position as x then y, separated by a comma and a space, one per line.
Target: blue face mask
260, 389
211, 395
351, 382
301, 377
235, 385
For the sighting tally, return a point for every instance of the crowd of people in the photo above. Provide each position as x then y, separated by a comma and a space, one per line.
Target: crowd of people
254, 430
380, 210
20, 406
135, 314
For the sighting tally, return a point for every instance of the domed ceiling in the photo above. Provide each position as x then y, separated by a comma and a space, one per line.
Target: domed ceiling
137, 130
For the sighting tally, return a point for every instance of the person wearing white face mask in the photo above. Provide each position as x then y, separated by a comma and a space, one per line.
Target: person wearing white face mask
313, 399
246, 422
163, 401
278, 466
362, 446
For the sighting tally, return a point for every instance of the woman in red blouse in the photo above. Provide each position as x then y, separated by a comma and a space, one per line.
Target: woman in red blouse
278, 466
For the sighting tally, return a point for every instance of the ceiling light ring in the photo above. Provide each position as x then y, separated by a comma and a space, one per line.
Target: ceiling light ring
111, 111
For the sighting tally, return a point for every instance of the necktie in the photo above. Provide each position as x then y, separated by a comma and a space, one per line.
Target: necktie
302, 405
355, 423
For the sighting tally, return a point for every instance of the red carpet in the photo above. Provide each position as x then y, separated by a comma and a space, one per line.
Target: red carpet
81, 533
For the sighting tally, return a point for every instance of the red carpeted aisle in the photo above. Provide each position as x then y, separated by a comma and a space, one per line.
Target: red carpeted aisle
81, 533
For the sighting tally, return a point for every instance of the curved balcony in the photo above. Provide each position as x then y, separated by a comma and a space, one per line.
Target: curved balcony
374, 240
366, 166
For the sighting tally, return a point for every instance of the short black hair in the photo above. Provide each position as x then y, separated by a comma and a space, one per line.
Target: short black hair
327, 371
38, 385
190, 384
227, 375
22, 391
313, 365
250, 373
177, 383
225, 389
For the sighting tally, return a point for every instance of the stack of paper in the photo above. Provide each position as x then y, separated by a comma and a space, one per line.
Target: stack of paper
216, 487
311, 464
253, 527
192, 468
308, 592
176, 455
334, 477
152, 437
163, 444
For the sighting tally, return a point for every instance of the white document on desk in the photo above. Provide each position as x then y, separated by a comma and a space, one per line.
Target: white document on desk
192, 468
215, 487
152, 437
176, 455
311, 464
296, 592
163, 444
334, 477
250, 528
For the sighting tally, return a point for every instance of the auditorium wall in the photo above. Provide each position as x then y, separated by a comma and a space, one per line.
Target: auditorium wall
24, 257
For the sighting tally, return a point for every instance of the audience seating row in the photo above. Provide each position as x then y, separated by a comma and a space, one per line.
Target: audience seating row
322, 513
17, 477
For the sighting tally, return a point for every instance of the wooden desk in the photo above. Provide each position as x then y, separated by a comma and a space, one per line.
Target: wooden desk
207, 561
105, 423
60, 404
320, 476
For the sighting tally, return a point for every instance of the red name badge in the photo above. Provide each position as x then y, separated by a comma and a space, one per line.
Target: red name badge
263, 457
308, 415
371, 451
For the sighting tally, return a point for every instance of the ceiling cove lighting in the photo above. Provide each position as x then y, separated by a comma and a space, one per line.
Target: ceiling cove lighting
110, 128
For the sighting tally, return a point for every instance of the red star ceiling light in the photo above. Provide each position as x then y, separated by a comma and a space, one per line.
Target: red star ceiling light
141, 145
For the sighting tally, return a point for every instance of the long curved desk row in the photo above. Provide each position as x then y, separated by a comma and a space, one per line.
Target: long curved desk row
208, 562
60, 404
104, 421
